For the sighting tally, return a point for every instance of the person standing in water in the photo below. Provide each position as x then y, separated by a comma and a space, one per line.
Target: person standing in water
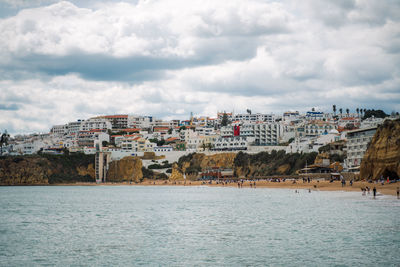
398, 193
374, 191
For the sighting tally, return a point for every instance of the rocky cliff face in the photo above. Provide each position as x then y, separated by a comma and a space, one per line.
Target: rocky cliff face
176, 173
192, 164
383, 155
20, 171
46, 169
127, 169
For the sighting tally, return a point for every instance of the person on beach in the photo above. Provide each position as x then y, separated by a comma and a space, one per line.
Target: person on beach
398, 193
255, 187
374, 191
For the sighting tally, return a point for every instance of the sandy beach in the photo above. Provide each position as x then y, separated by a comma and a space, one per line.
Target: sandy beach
385, 189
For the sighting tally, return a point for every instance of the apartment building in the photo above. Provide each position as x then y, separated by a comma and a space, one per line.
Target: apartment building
88, 138
261, 133
74, 127
59, 130
141, 122
357, 144
247, 117
314, 128
267, 133
117, 121
95, 123
231, 143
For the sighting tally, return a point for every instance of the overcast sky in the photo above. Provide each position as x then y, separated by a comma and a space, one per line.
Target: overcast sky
62, 61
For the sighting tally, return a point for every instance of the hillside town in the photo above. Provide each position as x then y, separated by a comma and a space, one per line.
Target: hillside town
344, 135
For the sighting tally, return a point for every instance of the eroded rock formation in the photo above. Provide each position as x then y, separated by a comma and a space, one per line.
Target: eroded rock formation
382, 159
46, 169
127, 169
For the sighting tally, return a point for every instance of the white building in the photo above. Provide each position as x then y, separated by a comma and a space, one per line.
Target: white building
163, 149
59, 130
205, 131
314, 128
140, 122
95, 123
257, 117
231, 143
371, 122
117, 121
74, 127
357, 144
267, 133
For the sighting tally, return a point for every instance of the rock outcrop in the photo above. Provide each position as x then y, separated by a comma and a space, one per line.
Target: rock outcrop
176, 173
20, 171
127, 169
382, 158
46, 169
194, 163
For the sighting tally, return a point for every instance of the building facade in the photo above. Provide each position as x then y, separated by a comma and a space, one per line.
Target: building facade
357, 144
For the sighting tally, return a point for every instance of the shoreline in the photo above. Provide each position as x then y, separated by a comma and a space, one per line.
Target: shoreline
386, 189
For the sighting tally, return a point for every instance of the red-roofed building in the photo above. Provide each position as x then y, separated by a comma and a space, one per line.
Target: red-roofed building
117, 121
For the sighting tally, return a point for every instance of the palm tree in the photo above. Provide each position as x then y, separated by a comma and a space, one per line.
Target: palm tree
334, 110
358, 112
340, 111
347, 111
3, 141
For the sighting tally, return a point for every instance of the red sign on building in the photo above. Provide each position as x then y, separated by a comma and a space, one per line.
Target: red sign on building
236, 130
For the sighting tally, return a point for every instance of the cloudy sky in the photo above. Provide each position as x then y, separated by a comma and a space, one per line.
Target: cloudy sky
67, 60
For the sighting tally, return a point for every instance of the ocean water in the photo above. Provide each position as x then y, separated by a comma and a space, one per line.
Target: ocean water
195, 226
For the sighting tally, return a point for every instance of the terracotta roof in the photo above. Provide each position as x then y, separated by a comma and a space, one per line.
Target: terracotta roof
172, 139
348, 118
130, 135
130, 130
114, 116
161, 128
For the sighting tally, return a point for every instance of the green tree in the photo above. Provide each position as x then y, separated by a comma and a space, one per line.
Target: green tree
334, 110
347, 111
224, 121
376, 113
3, 141
341, 112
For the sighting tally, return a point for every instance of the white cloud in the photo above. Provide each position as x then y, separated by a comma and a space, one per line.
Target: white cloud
168, 58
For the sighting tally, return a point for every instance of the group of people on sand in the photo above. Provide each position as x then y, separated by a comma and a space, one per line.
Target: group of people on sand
252, 184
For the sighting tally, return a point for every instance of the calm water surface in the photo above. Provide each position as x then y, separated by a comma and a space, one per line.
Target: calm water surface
192, 226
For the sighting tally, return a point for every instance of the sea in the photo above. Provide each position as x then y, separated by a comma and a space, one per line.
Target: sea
195, 226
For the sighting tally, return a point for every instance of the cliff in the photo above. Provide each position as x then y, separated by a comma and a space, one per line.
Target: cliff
21, 171
126, 169
243, 164
268, 164
46, 169
192, 164
382, 157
